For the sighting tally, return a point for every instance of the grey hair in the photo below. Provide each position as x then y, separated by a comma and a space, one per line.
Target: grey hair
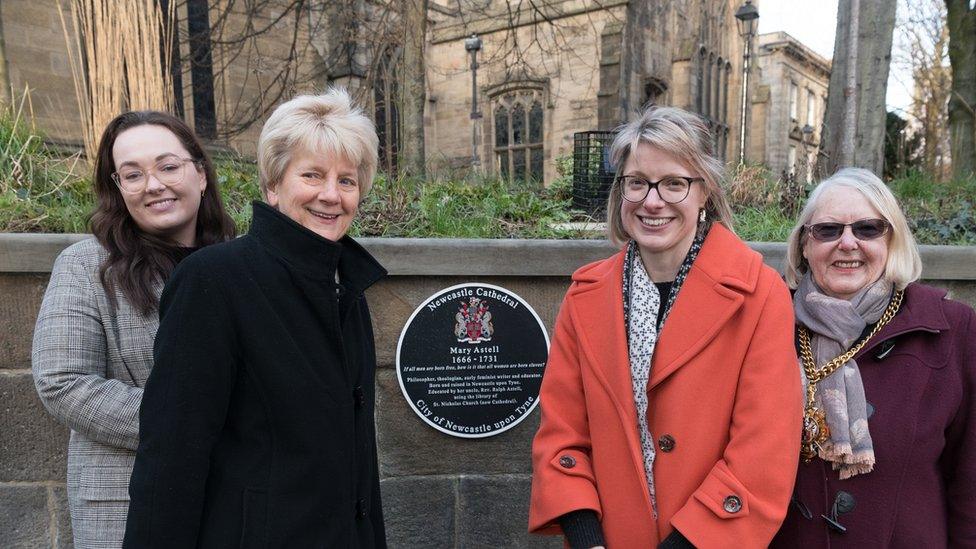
681, 134
904, 264
328, 123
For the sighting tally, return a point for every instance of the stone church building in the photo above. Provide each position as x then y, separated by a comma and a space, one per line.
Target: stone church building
545, 70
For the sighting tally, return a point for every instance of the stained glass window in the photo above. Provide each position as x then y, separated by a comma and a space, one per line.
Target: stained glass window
535, 123
518, 162
519, 132
518, 124
501, 127
535, 165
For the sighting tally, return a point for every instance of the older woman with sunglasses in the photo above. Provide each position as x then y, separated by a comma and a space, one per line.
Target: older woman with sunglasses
670, 403
889, 365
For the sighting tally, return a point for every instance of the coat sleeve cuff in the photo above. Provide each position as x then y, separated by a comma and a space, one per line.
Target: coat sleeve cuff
582, 529
676, 541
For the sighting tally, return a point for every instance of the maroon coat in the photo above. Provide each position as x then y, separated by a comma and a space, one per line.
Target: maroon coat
922, 492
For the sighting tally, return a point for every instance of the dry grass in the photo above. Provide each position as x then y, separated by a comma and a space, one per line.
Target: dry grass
114, 50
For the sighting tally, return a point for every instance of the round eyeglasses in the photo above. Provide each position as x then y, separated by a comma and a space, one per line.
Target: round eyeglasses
671, 189
168, 170
864, 229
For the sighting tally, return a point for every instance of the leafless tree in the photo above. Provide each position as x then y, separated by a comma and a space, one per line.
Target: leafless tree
414, 87
855, 119
961, 21
923, 49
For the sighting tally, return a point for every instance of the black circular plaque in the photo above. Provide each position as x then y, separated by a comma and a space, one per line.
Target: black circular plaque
470, 360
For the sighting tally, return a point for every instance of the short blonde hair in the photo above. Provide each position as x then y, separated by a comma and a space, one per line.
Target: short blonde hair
681, 134
329, 124
904, 264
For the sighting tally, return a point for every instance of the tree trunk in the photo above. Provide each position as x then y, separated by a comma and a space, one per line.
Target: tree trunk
855, 119
5, 92
201, 70
414, 89
961, 20
845, 155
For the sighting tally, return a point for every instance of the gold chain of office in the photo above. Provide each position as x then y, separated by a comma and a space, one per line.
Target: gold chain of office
815, 430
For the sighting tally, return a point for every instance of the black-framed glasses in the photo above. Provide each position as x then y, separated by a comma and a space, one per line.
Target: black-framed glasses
671, 189
169, 171
863, 229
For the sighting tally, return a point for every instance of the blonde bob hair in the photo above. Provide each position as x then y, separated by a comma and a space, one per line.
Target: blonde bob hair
327, 124
904, 264
681, 134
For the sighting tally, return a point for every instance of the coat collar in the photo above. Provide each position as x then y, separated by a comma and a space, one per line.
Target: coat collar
311, 254
723, 272
921, 311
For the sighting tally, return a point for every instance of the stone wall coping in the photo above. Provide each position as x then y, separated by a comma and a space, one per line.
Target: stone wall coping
35, 253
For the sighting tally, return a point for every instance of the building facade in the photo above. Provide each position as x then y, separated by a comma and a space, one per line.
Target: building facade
788, 106
545, 70
571, 66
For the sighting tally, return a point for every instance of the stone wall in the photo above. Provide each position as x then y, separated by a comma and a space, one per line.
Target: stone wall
37, 58
438, 491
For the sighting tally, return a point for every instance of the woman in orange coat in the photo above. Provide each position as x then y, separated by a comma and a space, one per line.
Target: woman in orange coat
670, 403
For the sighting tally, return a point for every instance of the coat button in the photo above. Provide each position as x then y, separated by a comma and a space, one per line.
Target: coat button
567, 461
732, 504
359, 396
362, 510
666, 443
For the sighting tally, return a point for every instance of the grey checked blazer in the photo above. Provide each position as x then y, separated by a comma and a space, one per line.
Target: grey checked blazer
90, 362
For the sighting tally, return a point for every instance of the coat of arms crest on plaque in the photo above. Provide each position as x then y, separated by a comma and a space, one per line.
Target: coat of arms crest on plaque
473, 322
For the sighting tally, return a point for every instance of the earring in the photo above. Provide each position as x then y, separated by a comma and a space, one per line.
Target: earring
701, 215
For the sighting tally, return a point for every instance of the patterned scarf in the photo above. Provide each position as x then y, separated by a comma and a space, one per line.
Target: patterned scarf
641, 303
835, 325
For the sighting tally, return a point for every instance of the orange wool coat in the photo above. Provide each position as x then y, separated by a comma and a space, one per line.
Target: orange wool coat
724, 407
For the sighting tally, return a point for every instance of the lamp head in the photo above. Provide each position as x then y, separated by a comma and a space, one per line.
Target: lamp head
747, 18
473, 43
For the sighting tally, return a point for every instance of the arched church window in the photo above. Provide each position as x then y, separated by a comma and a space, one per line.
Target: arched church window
519, 135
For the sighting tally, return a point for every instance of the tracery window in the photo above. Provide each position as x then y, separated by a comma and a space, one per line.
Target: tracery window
711, 96
518, 135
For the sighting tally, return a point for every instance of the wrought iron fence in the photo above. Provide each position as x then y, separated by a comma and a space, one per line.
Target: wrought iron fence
592, 172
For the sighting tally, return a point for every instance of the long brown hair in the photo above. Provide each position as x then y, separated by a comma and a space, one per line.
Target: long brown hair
137, 260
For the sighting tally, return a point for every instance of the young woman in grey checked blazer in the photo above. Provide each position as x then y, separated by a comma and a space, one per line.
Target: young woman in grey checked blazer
156, 203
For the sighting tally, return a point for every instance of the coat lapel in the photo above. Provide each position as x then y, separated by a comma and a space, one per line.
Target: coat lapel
599, 320
713, 292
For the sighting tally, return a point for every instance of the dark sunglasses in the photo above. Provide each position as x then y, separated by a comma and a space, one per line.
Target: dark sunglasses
865, 229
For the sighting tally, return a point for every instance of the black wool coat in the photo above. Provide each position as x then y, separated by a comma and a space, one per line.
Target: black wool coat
256, 426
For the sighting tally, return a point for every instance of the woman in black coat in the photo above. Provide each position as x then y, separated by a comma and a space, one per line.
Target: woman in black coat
257, 421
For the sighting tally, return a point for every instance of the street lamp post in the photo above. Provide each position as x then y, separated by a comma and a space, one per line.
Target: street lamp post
473, 46
807, 140
747, 18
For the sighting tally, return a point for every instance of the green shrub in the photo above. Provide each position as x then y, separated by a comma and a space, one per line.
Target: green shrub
42, 189
914, 186
939, 213
237, 179
486, 208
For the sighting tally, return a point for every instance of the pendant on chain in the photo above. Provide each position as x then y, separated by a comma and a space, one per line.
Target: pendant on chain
815, 432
